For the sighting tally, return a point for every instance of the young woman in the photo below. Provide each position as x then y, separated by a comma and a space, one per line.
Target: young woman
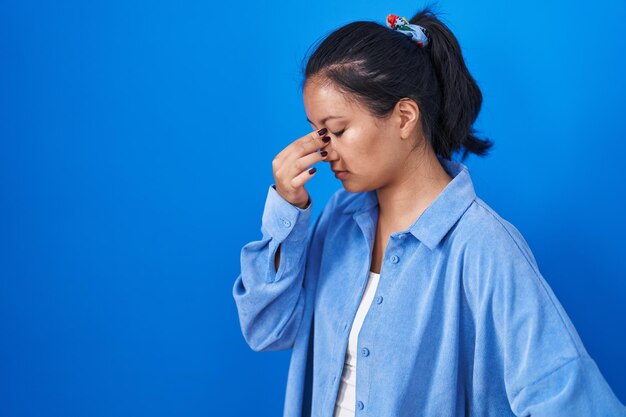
409, 295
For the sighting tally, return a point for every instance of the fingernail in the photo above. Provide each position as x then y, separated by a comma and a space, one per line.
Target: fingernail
326, 139
312, 170
322, 131
324, 153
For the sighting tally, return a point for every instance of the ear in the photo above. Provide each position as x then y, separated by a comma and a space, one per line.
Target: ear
409, 114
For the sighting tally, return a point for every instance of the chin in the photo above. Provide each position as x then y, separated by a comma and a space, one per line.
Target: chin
352, 188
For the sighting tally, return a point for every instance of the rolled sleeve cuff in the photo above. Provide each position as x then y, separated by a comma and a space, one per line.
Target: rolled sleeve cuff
282, 220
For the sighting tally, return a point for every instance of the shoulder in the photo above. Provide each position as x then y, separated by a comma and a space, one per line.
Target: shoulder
486, 235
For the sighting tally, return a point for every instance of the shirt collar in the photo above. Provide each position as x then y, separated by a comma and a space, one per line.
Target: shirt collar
439, 217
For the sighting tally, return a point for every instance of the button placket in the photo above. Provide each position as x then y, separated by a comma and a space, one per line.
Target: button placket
396, 249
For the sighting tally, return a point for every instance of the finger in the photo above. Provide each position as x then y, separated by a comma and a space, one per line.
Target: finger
303, 163
302, 178
305, 145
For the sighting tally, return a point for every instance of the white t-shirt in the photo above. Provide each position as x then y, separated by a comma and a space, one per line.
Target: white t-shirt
346, 396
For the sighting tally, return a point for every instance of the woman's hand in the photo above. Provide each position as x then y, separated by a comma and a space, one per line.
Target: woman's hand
290, 166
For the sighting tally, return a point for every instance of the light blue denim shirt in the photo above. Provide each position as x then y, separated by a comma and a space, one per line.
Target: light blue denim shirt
462, 322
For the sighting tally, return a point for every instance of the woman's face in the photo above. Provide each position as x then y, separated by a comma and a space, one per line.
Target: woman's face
370, 149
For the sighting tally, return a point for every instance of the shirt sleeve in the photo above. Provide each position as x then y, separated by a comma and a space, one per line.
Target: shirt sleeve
270, 302
574, 389
546, 369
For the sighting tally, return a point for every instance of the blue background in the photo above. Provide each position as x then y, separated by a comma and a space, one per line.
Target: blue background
136, 148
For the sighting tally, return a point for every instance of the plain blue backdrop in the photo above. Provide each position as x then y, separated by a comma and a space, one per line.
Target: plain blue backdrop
136, 140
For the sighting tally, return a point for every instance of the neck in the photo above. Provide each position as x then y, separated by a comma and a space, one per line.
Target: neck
403, 200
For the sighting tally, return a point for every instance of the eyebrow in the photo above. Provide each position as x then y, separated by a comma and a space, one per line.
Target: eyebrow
324, 120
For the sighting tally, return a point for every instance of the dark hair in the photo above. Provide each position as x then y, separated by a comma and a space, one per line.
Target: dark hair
378, 66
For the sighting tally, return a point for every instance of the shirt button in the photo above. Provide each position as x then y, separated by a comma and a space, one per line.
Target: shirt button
287, 223
379, 299
395, 259
365, 351
359, 405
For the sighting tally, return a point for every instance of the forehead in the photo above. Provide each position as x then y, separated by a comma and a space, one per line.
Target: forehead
322, 99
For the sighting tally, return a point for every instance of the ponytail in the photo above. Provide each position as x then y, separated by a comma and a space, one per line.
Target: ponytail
460, 96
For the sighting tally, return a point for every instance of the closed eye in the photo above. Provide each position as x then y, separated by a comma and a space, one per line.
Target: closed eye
339, 133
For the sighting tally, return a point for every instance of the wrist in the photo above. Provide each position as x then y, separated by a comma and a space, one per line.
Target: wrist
306, 206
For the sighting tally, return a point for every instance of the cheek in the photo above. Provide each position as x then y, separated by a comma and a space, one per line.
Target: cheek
359, 141
363, 154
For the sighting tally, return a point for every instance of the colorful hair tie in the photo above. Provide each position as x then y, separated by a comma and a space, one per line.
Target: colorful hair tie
416, 32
